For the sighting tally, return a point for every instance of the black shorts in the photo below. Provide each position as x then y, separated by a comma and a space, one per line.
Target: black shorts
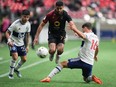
76, 63
56, 39
21, 50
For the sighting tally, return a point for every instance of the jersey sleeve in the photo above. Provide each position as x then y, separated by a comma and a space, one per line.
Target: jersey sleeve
29, 27
68, 17
45, 20
12, 27
87, 36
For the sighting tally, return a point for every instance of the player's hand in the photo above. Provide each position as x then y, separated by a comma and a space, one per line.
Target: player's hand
35, 41
10, 43
27, 49
95, 58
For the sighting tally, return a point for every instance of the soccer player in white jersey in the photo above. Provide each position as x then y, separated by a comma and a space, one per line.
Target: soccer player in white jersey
15, 36
86, 56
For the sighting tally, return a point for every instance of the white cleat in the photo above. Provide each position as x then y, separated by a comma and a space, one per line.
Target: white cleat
10, 76
57, 59
18, 73
51, 57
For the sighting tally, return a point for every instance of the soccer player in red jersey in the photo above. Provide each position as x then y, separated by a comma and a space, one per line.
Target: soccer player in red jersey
56, 30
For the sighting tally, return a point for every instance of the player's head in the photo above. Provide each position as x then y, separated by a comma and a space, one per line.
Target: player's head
25, 16
86, 27
59, 7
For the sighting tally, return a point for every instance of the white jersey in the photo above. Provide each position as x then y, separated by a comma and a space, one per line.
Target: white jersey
18, 31
87, 51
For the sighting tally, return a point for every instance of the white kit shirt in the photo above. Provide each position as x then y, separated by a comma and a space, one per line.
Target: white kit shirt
87, 51
18, 31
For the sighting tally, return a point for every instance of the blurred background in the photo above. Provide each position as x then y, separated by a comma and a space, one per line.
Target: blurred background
101, 13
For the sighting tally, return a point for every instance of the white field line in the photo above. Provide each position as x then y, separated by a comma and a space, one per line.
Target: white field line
1, 58
4, 61
39, 62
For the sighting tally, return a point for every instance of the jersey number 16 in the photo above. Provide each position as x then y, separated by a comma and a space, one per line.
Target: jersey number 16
94, 44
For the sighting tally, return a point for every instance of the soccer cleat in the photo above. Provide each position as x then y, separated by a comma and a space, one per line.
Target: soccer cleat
47, 79
51, 57
10, 76
57, 59
18, 73
96, 80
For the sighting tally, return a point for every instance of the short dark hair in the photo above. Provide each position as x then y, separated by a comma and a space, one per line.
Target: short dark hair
59, 3
25, 12
88, 25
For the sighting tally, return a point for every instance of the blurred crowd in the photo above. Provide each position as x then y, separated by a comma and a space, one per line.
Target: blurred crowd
11, 9
78, 7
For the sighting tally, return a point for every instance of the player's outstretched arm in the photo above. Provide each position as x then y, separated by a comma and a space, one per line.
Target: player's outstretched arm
78, 32
42, 24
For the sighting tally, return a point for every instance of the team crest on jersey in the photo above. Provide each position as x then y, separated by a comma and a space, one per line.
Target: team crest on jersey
57, 23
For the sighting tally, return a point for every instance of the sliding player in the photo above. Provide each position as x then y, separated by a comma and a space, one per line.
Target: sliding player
86, 56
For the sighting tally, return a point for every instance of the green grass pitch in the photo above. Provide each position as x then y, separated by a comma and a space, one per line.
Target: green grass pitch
36, 69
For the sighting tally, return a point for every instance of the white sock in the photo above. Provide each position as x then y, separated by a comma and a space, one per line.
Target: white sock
12, 65
19, 64
55, 71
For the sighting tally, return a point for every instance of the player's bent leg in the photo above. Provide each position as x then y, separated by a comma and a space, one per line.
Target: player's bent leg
63, 64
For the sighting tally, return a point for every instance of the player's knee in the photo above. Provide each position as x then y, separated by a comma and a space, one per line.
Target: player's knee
14, 58
59, 51
64, 64
24, 59
52, 51
88, 79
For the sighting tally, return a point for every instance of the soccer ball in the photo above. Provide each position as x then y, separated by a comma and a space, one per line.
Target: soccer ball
42, 52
